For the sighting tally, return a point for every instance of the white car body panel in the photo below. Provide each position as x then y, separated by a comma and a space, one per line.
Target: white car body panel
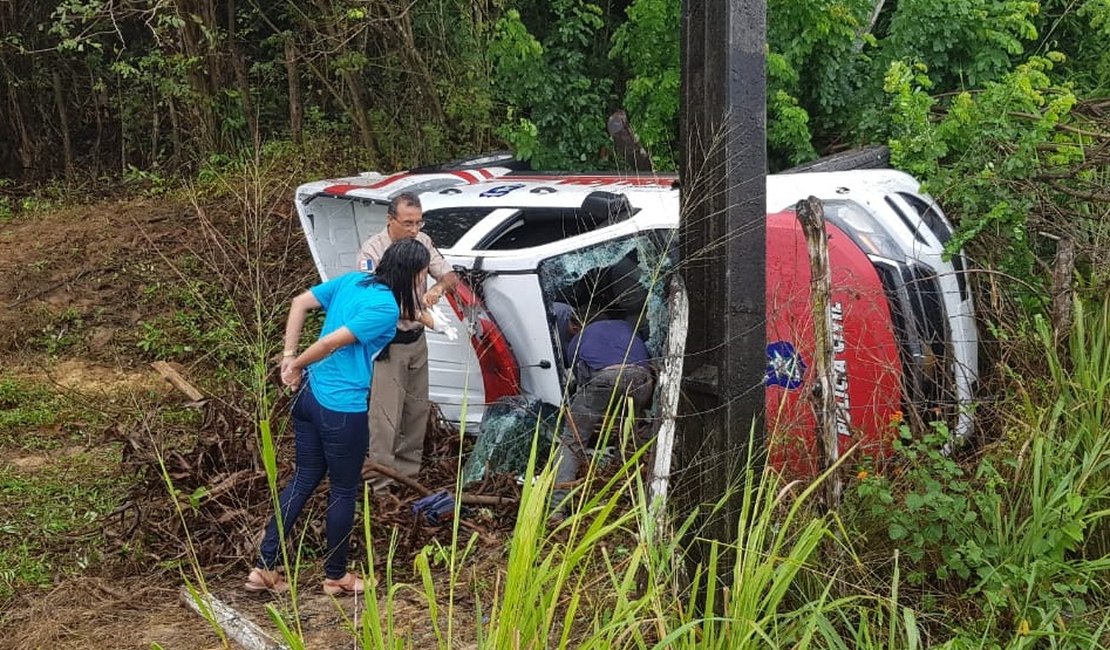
513, 294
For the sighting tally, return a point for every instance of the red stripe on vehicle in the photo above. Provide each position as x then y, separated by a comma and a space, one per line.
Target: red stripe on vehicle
466, 177
596, 180
486, 173
341, 189
389, 179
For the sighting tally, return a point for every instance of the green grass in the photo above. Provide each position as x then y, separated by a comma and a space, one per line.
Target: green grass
1020, 564
35, 418
50, 516
53, 491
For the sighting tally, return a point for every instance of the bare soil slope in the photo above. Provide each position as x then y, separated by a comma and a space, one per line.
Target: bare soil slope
80, 288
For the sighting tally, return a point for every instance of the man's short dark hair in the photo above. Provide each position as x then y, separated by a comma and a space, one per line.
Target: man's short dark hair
404, 198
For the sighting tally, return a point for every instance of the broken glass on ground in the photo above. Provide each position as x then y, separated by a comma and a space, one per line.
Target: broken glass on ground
505, 437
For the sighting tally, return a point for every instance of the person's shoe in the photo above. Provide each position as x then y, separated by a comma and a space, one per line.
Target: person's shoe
348, 585
265, 580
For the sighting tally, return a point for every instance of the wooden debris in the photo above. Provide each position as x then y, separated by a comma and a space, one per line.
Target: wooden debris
370, 467
175, 378
811, 215
235, 626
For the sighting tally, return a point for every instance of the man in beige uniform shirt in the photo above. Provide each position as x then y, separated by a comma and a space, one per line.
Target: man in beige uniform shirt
399, 405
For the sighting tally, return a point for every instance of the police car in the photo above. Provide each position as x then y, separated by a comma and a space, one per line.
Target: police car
524, 242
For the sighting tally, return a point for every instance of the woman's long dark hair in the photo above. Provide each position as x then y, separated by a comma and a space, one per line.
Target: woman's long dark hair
401, 264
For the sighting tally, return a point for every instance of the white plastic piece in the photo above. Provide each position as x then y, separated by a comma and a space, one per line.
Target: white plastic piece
441, 325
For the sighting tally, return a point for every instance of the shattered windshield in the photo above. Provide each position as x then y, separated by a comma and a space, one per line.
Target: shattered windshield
624, 278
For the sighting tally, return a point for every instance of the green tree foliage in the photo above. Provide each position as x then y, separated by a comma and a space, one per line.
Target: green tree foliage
648, 44
109, 86
966, 42
554, 85
1016, 159
993, 102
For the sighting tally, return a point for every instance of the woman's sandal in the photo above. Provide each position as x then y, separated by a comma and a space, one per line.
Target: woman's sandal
348, 585
265, 580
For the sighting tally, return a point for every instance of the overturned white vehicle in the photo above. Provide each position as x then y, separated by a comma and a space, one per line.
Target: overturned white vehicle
524, 241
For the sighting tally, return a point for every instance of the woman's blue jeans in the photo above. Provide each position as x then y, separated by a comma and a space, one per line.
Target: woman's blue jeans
326, 442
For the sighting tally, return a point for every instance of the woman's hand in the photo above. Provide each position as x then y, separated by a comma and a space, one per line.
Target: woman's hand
426, 319
291, 372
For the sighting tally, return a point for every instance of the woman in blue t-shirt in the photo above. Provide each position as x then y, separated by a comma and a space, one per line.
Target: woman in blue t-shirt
329, 413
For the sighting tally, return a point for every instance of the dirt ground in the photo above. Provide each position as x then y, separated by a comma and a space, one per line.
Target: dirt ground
75, 285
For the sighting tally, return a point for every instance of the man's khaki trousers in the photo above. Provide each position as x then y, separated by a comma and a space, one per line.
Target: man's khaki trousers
399, 410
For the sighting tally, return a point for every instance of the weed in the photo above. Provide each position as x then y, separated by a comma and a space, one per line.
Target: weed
189, 333
1019, 531
36, 205
24, 405
147, 183
65, 331
63, 500
33, 417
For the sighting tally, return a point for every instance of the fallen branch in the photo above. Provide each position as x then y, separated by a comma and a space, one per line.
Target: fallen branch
371, 466
466, 499
237, 627
46, 290
178, 381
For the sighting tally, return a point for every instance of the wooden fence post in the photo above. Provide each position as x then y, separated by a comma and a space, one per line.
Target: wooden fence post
811, 215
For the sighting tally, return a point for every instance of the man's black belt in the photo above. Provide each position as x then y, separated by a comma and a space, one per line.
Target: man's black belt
401, 337
404, 337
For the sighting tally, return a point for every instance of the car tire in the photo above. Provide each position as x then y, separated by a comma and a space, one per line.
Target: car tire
873, 157
501, 158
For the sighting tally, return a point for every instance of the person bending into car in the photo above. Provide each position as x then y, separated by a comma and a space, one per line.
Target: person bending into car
329, 413
399, 404
610, 362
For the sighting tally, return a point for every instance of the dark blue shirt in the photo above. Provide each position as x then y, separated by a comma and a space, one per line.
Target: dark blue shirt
607, 343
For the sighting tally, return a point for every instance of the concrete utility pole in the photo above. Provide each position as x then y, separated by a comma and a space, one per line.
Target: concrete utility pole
723, 228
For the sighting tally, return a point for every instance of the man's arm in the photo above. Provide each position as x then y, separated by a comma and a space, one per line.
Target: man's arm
440, 288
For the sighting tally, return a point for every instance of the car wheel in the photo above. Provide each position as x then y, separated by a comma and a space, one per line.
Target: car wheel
503, 158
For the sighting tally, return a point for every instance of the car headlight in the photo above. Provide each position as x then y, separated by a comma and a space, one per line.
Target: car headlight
862, 228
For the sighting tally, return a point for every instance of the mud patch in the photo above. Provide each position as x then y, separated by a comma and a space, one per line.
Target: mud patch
35, 461
90, 377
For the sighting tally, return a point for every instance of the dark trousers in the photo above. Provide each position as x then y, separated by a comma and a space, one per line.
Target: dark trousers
327, 442
587, 411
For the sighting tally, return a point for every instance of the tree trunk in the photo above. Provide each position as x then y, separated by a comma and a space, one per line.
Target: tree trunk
627, 145
241, 79
100, 101
431, 95
201, 81
63, 124
354, 92
24, 146
155, 129
122, 126
296, 103
175, 132
358, 112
